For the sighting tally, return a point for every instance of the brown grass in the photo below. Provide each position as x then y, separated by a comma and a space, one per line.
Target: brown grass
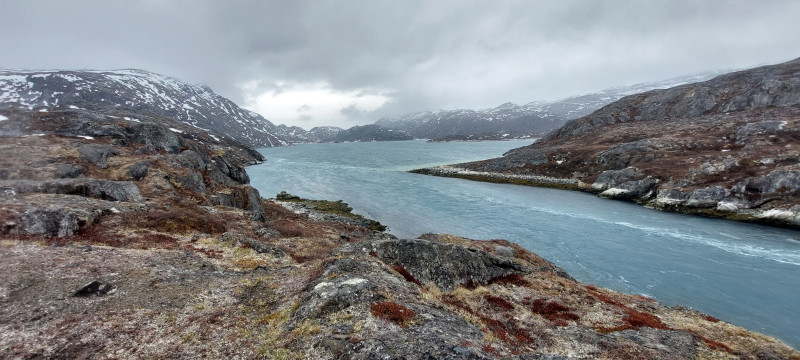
511, 279
176, 220
138, 239
278, 212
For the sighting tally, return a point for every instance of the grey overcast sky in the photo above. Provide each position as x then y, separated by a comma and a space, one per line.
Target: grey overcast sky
340, 62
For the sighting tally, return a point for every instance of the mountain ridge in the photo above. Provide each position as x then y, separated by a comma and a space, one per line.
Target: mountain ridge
135, 91
509, 120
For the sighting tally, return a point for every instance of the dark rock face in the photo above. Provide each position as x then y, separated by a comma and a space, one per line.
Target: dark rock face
242, 197
155, 136
707, 197
139, 170
97, 154
68, 171
95, 188
254, 244
772, 183
48, 222
445, 265
610, 178
352, 281
525, 157
95, 287
632, 190
678, 344
624, 155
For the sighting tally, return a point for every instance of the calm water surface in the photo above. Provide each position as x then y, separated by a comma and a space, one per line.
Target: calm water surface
745, 274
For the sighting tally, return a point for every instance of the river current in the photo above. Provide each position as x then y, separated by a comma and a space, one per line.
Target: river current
745, 274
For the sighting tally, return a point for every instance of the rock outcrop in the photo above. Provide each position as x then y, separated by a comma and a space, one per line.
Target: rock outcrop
82, 154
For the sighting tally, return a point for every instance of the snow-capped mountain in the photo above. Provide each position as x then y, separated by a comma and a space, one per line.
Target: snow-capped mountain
519, 121
136, 91
319, 134
372, 132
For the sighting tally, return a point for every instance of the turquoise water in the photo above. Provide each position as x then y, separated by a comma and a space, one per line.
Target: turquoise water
741, 273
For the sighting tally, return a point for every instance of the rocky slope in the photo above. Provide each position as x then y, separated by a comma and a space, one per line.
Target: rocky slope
126, 239
128, 93
510, 121
726, 147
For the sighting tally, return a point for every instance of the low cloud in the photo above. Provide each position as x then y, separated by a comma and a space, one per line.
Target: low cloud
288, 103
388, 58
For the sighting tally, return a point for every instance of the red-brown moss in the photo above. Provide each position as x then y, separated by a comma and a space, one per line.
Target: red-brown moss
498, 302
511, 279
470, 284
554, 311
713, 344
489, 349
508, 330
139, 239
393, 312
287, 228
403, 272
634, 320
602, 296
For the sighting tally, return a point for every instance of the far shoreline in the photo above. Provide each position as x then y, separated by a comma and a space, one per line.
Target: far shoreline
760, 217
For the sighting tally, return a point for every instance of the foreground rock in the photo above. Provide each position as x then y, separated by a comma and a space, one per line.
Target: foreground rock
726, 147
185, 260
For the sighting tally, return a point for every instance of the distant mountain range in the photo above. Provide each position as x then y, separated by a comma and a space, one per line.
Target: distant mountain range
130, 92
509, 121
370, 133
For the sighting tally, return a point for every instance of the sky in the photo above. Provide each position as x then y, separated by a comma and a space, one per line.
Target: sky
344, 63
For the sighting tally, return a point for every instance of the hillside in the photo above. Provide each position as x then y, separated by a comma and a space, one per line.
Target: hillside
511, 121
130, 93
143, 239
726, 147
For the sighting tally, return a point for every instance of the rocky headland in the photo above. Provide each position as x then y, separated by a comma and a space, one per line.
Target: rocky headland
142, 238
727, 147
